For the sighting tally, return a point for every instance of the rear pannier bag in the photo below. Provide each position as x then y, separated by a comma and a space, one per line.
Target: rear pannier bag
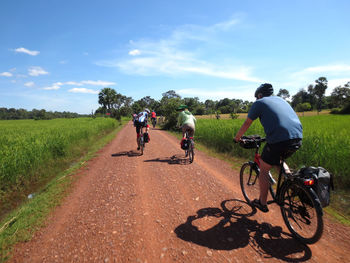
185, 144
146, 137
323, 182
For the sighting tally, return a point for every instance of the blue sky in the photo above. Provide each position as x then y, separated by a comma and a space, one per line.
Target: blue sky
59, 54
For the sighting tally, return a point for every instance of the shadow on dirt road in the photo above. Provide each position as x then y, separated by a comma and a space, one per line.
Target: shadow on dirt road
131, 153
175, 159
233, 229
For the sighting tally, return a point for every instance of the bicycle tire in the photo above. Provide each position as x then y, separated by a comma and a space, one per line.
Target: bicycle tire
190, 152
142, 144
302, 212
249, 181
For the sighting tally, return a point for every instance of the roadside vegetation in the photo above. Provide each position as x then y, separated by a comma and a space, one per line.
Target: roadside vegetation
36, 192
32, 152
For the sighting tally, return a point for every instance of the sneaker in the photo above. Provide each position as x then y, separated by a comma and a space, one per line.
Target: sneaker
263, 208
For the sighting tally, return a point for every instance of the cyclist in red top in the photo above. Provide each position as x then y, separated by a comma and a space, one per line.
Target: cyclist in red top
154, 118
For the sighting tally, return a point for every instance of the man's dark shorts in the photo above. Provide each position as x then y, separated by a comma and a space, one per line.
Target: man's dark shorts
272, 153
138, 125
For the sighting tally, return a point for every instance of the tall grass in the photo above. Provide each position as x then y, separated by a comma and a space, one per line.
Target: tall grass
28, 148
326, 142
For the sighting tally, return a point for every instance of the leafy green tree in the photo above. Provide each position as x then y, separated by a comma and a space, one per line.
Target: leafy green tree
340, 96
302, 107
168, 105
171, 94
318, 92
283, 93
106, 98
300, 97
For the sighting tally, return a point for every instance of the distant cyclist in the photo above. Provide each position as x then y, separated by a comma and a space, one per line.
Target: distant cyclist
140, 123
283, 130
154, 118
186, 121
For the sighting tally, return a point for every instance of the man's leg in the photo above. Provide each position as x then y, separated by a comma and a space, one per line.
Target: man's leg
264, 181
138, 136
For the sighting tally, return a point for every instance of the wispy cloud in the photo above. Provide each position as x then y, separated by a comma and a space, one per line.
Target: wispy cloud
6, 74
29, 84
26, 51
134, 52
336, 74
171, 56
54, 86
83, 90
37, 71
244, 92
97, 83
58, 85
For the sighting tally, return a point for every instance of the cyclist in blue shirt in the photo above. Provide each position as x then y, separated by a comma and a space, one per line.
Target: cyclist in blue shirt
140, 122
283, 131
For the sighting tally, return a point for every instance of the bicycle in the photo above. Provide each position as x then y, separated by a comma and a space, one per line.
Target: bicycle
141, 140
154, 122
299, 204
189, 150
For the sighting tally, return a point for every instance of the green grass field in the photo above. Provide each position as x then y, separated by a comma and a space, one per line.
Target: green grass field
326, 142
33, 151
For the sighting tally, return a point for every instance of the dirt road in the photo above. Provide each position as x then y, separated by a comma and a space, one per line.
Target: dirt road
158, 208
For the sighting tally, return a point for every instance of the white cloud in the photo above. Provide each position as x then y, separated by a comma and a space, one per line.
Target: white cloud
245, 92
336, 74
171, 56
97, 83
134, 52
29, 84
36, 71
333, 83
72, 83
83, 90
26, 51
53, 87
6, 74
58, 85
340, 68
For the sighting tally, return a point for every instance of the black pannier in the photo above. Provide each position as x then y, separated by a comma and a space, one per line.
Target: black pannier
185, 144
145, 137
323, 182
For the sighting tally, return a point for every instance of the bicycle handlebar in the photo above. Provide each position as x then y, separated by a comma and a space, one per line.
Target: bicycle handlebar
250, 142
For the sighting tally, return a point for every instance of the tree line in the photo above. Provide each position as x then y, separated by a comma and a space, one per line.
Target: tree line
117, 105
19, 114
313, 98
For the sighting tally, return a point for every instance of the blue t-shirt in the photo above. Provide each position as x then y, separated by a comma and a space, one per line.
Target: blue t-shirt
278, 118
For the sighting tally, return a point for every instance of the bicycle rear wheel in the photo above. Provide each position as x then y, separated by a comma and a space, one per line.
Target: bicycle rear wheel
302, 213
249, 181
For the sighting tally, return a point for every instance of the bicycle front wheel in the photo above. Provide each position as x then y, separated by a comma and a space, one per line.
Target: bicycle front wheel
142, 144
190, 153
249, 180
302, 213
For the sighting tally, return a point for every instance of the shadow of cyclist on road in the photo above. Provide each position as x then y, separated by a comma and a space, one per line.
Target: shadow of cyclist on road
175, 159
230, 228
126, 153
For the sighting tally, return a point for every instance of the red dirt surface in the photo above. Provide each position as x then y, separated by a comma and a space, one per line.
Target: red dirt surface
159, 208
